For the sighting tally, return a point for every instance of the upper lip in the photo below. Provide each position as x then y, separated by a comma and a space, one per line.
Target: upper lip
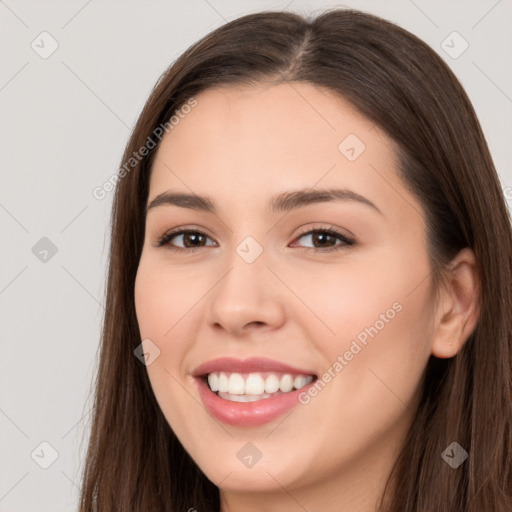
249, 365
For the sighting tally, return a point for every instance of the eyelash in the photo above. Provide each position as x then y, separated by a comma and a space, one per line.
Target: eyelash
347, 242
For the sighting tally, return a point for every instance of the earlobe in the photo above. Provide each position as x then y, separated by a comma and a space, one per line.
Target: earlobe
458, 307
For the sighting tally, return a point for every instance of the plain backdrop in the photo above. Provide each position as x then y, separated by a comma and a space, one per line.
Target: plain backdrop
74, 77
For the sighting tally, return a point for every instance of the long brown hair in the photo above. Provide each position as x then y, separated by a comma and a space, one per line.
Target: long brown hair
134, 460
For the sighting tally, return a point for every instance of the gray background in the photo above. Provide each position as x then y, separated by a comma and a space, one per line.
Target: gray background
65, 121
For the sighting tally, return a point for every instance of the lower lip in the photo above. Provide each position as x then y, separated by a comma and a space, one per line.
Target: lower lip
248, 414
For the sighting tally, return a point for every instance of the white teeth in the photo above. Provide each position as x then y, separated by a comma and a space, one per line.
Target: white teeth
213, 381
286, 383
254, 386
271, 383
223, 382
299, 382
236, 384
244, 398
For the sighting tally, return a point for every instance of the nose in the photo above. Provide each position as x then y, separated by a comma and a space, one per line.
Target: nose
247, 297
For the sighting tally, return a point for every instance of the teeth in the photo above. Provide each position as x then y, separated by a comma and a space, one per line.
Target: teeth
236, 384
286, 383
223, 382
213, 381
244, 398
300, 382
254, 385
250, 387
271, 383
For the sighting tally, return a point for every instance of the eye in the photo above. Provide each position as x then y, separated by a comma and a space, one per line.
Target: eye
193, 239
329, 236
192, 236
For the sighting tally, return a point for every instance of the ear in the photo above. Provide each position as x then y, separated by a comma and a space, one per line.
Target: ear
458, 306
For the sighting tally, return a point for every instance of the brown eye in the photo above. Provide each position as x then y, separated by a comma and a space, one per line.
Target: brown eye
192, 239
325, 239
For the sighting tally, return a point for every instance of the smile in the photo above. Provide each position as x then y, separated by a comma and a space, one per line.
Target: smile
250, 392
251, 387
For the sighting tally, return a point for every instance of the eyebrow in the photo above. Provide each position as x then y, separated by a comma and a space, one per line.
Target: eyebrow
283, 202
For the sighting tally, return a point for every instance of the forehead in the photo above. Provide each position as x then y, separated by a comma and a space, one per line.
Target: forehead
294, 112
250, 142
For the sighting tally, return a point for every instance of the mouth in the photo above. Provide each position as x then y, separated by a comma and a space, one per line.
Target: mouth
250, 392
251, 387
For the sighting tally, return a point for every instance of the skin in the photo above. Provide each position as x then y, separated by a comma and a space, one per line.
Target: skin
240, 146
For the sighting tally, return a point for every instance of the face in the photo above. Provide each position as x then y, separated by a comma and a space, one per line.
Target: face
309, 311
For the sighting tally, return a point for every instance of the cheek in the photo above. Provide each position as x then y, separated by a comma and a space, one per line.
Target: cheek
354, 302
374, 373
163, 305
162, 298
379, 315
161, 316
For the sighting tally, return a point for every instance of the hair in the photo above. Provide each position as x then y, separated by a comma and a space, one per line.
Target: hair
134, 460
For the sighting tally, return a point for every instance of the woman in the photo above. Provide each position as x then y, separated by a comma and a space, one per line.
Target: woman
246, 365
